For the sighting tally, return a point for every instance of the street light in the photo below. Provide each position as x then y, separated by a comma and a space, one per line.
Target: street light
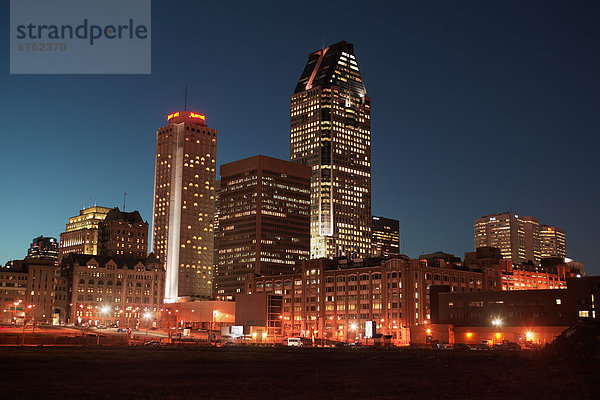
104, 310
147, 316
29, 307
16, 304
497, 322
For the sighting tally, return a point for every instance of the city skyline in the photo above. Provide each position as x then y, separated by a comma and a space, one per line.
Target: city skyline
417, 178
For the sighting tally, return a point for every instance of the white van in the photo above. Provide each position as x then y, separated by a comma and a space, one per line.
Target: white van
294, 341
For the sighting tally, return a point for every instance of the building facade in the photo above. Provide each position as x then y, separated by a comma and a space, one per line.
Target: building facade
527, 317
117, 290
336, 299
385, 237
551, 274
515, 235
184, 204
27, 291
553, 242
123, 233
330, 131
217, 231
81, 234
264, 220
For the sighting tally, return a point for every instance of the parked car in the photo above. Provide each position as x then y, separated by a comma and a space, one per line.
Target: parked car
153, 343
513, 346
461, 347
121, 330
483, 346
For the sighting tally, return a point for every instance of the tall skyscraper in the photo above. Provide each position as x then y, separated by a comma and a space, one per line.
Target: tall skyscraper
553, 242
81, 235
217, 234
515, 235
184, 204
264, 220
123, 233
330, 131
385, 237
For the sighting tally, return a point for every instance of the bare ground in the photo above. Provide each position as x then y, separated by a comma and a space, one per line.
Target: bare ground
287, 373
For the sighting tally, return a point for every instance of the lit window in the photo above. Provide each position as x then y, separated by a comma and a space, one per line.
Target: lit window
584, 314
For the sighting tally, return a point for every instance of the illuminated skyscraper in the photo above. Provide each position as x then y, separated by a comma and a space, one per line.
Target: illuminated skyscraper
330, 131
516, 236
553, 242
217, 232
81, 235
42, 247
385, 238
264, 220
184, 204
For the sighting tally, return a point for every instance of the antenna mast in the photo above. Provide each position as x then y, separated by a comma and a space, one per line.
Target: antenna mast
185, 99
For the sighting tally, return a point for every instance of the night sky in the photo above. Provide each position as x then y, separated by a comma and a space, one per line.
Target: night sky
476, 108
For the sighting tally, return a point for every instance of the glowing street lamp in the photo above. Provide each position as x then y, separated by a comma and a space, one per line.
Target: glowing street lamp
147, 317
104, 310
497, 322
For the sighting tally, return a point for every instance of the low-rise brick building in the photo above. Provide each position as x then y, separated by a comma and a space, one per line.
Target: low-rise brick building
336, 299
27, 291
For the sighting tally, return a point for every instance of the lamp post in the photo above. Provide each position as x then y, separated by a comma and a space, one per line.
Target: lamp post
353, 328
169, 324
104, 311
29, 307
16, 304
212, 322
147, 316
497, 323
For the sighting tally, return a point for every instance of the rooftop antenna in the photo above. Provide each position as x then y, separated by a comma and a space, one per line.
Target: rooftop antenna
185, 99
124, 197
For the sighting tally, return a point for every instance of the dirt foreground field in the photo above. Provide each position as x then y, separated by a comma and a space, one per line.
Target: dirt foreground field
287, 373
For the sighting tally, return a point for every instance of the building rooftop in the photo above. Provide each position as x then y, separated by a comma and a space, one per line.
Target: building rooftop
321, 67
115, 214
121, 261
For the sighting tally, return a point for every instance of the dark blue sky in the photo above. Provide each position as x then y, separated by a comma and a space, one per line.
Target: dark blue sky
478, 107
